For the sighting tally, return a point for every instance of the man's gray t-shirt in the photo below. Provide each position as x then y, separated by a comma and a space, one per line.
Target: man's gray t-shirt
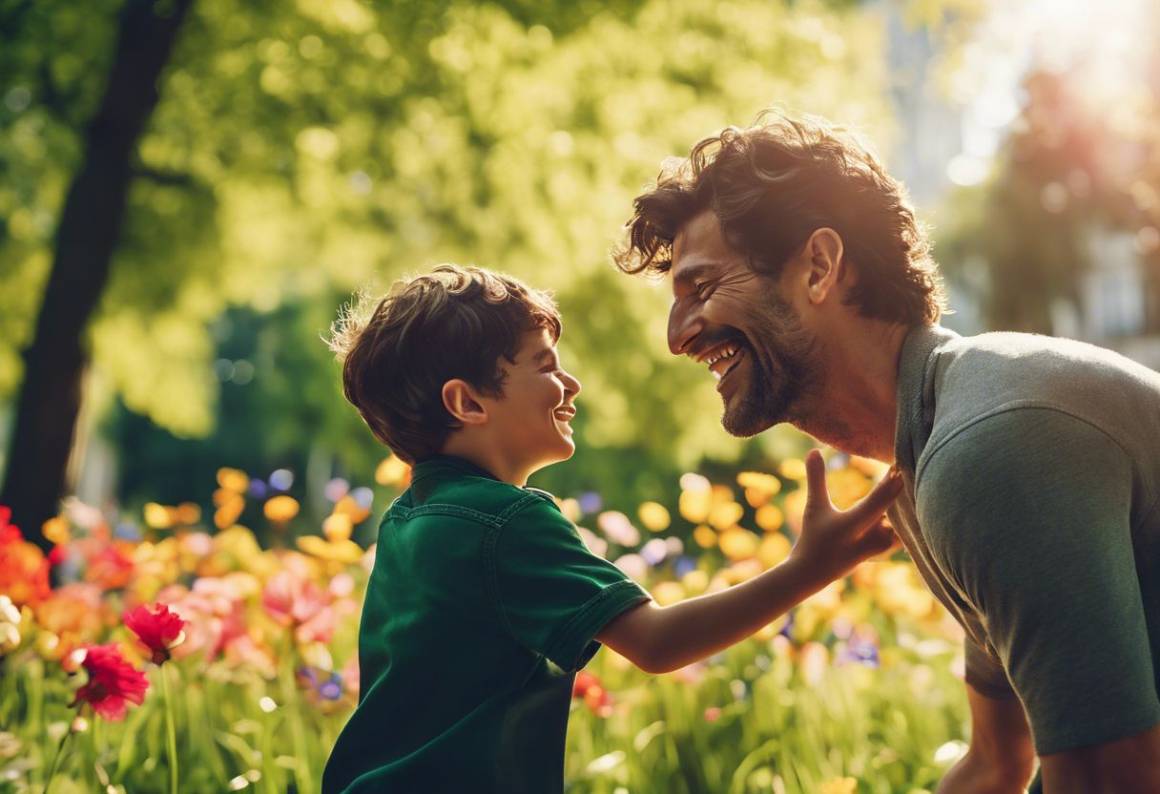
1032, 510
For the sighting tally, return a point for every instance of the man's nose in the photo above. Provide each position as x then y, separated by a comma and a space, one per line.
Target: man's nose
684, 325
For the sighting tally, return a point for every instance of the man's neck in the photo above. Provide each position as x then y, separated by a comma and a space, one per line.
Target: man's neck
858, 407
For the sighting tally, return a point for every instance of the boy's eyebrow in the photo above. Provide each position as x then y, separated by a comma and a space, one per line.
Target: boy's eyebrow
543, 355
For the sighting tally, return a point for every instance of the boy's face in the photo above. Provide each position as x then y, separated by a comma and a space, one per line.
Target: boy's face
532, 420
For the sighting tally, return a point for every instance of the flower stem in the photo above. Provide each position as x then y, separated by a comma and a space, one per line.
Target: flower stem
56, 760
170, 731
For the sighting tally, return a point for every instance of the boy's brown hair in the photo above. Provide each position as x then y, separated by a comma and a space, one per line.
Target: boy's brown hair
454, 322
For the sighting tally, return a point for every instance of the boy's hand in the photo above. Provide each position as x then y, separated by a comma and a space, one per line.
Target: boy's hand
834, 541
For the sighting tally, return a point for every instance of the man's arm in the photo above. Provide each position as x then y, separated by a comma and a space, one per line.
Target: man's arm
1001, 757
661, 639
1126, 766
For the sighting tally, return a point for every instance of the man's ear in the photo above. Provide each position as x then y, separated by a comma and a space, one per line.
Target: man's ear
463, 403
826, 264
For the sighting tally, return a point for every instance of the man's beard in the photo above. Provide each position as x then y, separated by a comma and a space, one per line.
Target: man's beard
782, 370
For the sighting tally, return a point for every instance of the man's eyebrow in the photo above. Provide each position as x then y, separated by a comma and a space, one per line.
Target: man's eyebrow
693, 272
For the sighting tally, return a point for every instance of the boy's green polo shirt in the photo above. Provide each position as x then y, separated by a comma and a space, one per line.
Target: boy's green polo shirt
482, 605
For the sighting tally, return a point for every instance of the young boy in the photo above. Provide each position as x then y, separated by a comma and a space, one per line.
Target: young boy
484, 602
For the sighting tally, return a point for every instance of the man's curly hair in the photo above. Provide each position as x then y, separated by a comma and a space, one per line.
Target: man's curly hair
771, 185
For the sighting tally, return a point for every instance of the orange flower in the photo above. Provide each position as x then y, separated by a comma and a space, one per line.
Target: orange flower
23, 567
112, 683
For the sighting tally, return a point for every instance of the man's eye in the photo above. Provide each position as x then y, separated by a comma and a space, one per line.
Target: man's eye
702, 289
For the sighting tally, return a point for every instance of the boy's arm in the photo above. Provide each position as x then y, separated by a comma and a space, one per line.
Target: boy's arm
661, 639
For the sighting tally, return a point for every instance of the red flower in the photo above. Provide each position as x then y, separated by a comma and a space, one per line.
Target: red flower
158, 628
112, 682
583, 682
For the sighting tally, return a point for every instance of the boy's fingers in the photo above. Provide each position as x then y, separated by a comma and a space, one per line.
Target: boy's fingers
816, 493
879, 539
880, 497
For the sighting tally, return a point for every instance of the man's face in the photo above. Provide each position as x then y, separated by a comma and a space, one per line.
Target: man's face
736, 322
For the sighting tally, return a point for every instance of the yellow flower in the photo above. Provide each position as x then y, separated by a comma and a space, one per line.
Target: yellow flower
705, 537
234, 480
230, 507
281, 508
759, 487
694, 506
654, 516
157, 516
56, 530
738, 544
695, 581
773, 550
792, 469
393, 471
769, 517
839, 785
344, 551
795, 508
725, 515
347, 505
666, 593
188, 513
337, 527
846, 486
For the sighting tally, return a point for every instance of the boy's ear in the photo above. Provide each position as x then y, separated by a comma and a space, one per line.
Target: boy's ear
462, 402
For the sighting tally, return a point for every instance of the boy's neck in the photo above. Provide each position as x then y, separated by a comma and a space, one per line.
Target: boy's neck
491, 458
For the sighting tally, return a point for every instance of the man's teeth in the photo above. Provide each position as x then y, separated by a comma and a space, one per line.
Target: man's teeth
724, 353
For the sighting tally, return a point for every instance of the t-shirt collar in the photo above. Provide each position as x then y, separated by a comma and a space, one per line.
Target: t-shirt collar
916, 393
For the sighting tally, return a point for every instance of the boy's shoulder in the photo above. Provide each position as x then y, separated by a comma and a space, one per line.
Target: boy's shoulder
456, 491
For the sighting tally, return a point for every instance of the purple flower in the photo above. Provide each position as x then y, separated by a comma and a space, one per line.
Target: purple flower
590, 502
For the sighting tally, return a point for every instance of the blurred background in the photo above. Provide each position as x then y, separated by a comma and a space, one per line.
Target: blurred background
189, 190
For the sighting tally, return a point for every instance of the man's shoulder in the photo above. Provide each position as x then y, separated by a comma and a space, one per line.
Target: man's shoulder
975, 377
1010, 365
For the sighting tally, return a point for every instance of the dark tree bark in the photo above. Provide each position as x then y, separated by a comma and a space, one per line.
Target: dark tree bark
86, 238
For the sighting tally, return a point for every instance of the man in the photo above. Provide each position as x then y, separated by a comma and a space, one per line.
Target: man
1031, 502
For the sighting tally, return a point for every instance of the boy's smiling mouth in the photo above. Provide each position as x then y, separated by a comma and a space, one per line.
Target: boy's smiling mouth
564, 413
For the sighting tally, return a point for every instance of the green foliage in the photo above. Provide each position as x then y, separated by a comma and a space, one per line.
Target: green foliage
300, 151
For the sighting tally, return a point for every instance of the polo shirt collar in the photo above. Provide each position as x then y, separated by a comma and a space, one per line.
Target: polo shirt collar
916, 393
448, 465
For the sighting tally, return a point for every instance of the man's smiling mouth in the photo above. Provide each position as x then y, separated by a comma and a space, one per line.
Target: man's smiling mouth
722, 359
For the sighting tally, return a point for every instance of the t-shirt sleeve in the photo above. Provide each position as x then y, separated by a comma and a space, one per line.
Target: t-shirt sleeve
552, 593
1029, 511
984, 673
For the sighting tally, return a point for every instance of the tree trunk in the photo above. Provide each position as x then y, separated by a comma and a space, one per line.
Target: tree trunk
86, 238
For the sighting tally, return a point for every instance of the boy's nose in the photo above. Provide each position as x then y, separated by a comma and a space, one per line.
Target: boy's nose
571, 385
684, 325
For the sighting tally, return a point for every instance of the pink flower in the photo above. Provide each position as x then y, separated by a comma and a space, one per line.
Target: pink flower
159, 629
112, 683
299, 603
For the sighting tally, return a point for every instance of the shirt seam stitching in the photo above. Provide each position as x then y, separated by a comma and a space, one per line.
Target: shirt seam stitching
608, 592
490, 556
